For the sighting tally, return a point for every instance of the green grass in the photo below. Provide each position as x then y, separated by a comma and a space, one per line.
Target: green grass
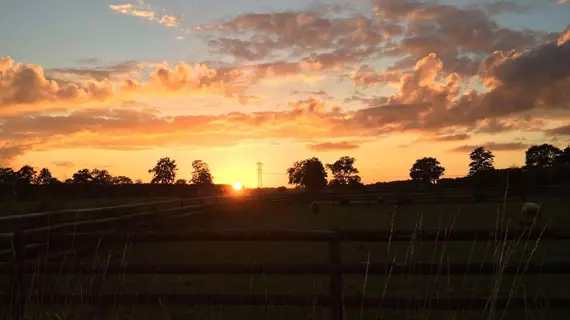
267, 216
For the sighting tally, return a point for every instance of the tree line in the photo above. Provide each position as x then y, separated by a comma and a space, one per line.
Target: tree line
311, 174
164, 172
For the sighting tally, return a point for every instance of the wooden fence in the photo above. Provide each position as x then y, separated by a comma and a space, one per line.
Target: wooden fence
21, 269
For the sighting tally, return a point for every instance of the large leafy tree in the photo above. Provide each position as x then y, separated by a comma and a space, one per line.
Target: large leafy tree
481, 160
45, 177
164, 171
82, 176
201, 174
542, 156
426, 170
101, 176
121, 180
7, 176
309, 174
181, 181
344, 172
564, 157
26, 175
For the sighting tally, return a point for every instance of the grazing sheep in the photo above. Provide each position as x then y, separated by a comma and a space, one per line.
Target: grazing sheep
531, 210
315, 209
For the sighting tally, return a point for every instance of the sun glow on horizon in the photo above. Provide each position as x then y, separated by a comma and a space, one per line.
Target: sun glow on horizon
237, 186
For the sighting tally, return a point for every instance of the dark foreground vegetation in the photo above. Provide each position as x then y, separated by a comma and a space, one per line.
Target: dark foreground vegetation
511, 274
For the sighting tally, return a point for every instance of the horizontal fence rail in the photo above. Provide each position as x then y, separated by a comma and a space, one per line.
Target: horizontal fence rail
155, 204
299, 236
473, 268
387, 302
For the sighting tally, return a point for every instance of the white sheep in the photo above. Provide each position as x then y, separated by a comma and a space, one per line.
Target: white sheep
531, 210
315, 207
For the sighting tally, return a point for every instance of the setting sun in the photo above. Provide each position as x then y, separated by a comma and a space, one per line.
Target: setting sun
237, 186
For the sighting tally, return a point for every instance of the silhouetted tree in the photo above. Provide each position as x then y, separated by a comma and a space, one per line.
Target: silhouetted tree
26, 175
138, 181
45, 178
180, 181
564, 157
542, 156
309, 174
164, 171
354, 181
344, 172
101, 176
7, 176
201, 174
426, 170
82, 176
121, 180
481, 160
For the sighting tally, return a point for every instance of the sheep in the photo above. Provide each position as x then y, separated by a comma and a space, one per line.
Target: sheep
531, 210
315, 209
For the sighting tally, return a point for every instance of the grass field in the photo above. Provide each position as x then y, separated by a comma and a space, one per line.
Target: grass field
273, 216
13, 207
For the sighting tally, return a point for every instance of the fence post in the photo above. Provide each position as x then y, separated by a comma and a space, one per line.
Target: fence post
18, 306
335, 284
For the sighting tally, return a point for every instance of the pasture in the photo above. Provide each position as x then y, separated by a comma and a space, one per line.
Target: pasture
260, 215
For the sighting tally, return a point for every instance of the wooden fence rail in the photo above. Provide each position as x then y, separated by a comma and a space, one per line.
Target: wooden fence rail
356, 301
336, 300
484, 268
297, 236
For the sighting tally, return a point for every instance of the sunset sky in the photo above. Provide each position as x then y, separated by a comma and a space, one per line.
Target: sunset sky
117, 85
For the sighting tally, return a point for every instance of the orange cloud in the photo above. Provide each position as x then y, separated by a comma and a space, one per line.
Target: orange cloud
365, 76
332, 146
27, 84
493, 146
128, 9
452, 137
170, 21
565, 37
562, 131
100, 71
24, 88
65, 164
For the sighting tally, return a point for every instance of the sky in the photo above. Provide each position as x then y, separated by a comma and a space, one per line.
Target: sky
119, 85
